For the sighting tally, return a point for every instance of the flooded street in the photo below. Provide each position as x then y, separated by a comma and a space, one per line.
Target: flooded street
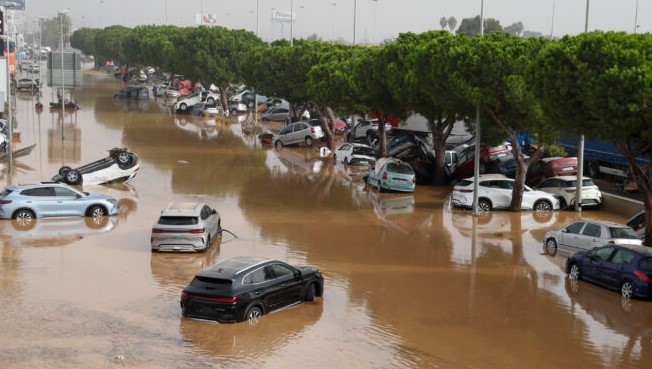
409, 282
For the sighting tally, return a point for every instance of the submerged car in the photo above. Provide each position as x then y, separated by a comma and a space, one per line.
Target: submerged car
28, 84
354, 154
587, 234
133, 93
245, 288
564, 187
626, 269
495, 192
186, 227
296, 133
51, 199
391, 174
120, 166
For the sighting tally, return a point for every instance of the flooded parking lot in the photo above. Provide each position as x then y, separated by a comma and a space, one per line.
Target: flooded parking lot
410, 282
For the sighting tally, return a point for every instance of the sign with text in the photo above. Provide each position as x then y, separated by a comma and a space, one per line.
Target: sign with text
281, 16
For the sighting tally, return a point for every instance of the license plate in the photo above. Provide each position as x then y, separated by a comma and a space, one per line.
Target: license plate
567, 168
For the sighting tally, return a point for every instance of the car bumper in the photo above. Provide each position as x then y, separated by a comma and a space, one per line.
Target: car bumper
222, 313
178, 244
398, 185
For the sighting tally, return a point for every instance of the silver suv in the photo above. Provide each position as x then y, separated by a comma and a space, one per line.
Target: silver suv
186, 227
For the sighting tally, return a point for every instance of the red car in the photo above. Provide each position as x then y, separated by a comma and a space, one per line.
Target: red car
464, 166
550, 167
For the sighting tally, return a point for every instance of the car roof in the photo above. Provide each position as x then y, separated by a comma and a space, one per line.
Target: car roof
230, 268
182, 209
571, 177
490, 176
19, 187
602, 222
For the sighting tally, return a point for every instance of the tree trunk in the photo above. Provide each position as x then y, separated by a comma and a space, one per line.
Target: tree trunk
440, 131
382, 137
328, 124
644, 182
225, 104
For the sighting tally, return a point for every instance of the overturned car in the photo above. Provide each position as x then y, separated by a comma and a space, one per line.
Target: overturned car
120, 166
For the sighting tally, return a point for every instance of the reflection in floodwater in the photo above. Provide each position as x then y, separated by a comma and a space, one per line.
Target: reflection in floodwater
54, 231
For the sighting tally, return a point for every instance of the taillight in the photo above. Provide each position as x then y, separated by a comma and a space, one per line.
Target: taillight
642, 276
611, 242
184, 295
198, 231
226, 300
414, 179
312, 130
156, 230
384, 175
3, 202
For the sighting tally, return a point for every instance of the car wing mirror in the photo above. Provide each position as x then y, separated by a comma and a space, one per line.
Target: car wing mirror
564, 230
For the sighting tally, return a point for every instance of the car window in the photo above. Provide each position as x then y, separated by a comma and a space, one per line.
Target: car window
622, 232
64, 192
299, 127
507, 185
257, 276
281, 270
286, 130
177, 220
645, 264
636, 222
602, 253
550, 183
622, 257
465, 183
592, 230
363, 151
39, 191
575, 228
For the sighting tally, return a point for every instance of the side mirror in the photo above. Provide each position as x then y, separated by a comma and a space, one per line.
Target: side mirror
564, 230
214, 211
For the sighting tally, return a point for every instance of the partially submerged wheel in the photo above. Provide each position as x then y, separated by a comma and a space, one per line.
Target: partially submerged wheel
63, 170
96, 211
310, 293
278, 144
626, 290
73, 177
542, 205
309, 141
574, 272
484, 205
551, 246
183, 107
24, 219
253, 313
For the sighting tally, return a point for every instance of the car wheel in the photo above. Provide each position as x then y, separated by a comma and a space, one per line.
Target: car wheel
125, 160
63, 170
25, 219
73, 177
309, 141
208, 242
626, 290
551, 246
253, 313
562, 203
574, 272
542, 205
96, 211
310, 293
183, 107
210, 101
346, 161
484, 205
278, 144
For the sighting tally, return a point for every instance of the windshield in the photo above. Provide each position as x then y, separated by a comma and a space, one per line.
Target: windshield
401, 168
363, 151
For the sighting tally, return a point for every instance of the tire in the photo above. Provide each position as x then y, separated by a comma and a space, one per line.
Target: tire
253, 313
310, 293
124, 160
562, 203
63, 170
183, 107
24, 220
309, 141
550, 247
210, 101
208, 243
626, 290
235, 111
574, 272
484, 205
346, 161
278, 144
542, 205
96, 211
73, 177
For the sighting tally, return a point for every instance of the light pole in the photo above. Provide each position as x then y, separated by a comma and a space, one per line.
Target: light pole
355, 10
580, 146
375, 18
636, 18
334, 6
552, 21
257, 19
476, 162
63, 76
291, 23
10, 133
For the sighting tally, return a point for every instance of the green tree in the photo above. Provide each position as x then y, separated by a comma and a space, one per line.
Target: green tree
491, 74
600, 84
443, 22
514, 29
452, 23
471, 26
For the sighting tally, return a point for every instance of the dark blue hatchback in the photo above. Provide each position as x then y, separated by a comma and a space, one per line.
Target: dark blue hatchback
627, 269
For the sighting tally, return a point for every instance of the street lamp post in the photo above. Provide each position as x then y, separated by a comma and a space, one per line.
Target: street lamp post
375, 18
476, 162
636, 18
63, 76
257, 21
355, 11
552, 19
291, 23
580, 146
334, 6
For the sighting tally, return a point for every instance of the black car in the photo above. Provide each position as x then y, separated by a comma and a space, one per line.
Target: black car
244, 288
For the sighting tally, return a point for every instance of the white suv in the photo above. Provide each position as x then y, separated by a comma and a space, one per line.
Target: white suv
186, 227
196, 98
495, 192
564, 187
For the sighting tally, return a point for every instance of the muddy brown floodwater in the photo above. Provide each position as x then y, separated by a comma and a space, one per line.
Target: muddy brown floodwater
410, 282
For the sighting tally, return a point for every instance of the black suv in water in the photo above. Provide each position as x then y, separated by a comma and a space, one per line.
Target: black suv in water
244, 288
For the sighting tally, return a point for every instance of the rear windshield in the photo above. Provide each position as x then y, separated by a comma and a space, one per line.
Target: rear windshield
585, 183
363, 151
178, 220
622, 232
645, 264
399, 168
208, 283
465, 183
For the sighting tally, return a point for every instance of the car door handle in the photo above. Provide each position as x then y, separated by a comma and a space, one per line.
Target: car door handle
284, 285
257, 292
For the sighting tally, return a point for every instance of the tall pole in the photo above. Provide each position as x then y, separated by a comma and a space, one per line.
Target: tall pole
355, 10
63, 78
636, 18
375, 18
334, 5
291, 23
257, 20
10, 123
476, 162
552, 19
580, 146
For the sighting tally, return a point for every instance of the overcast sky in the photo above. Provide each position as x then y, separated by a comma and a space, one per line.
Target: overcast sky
375, 20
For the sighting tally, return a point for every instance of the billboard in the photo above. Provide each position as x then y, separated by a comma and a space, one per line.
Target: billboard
281, 16
20, 5
205, 19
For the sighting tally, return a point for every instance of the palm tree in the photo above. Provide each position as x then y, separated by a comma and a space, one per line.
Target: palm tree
452, 23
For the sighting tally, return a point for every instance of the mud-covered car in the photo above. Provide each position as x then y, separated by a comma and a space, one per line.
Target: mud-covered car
120, 166
28, 84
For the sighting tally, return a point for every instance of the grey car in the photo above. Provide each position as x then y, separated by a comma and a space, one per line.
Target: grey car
586, 234
186, 227
296, 133
51, 199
